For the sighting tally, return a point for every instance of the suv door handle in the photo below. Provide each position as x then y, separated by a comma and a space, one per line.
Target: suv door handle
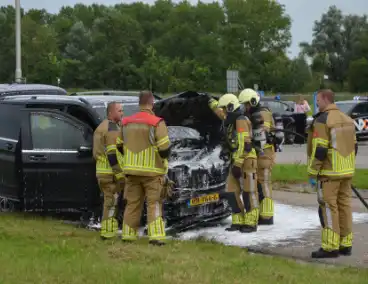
37, 158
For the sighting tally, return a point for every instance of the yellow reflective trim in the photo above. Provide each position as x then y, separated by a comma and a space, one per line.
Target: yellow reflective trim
251, 217
111, 148
237, 219
330, 240
320, 141
103, 166
162, 141
347, 241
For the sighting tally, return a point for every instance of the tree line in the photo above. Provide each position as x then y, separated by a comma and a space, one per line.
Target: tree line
170, 47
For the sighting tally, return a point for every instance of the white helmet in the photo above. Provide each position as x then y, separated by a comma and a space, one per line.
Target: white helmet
230, 101
249, 96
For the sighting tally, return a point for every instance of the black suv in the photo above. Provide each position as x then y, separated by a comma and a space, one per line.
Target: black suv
29, 89
46, 161
358, 110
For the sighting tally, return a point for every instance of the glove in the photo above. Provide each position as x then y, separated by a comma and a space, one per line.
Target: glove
236, 171
313, 182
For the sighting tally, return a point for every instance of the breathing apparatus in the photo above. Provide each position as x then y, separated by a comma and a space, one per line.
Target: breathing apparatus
259, 135
230, 103
279, 134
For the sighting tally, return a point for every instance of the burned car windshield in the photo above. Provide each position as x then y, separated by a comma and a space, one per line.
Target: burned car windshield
129, 109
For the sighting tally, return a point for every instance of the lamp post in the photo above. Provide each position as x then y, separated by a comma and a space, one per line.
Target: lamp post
18, 54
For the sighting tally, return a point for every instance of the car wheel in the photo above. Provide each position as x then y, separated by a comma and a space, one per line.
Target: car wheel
290, 137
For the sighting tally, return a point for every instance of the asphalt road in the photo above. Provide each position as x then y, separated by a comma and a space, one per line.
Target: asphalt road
297, 154
302, 247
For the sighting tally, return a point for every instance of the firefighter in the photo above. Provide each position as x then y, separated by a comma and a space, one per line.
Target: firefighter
331, 151
263, 122
146, 153
242, 178
108, 171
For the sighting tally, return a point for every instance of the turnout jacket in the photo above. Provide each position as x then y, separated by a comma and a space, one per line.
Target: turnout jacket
332, 145
146, 144
238, 134
107, 139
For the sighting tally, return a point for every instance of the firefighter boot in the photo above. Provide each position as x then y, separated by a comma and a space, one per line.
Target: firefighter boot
248, 229
345, 251
237, 222
262, 221
321, 253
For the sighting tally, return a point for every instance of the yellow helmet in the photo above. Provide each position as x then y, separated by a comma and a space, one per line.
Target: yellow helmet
230, 101
249, 96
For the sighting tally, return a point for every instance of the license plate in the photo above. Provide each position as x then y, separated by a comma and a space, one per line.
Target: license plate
204, 199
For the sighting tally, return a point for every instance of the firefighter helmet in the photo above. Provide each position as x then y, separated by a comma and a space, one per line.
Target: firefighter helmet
229, 101
249, 96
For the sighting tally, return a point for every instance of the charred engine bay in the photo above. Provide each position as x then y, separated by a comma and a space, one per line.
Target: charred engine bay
195, 133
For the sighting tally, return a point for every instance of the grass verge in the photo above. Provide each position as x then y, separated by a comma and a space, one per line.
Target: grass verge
46, 251
297, 173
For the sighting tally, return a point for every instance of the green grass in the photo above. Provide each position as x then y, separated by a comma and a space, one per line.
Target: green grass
46, 251
297, 173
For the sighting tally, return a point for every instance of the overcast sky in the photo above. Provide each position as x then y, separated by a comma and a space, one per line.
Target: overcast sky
302, 12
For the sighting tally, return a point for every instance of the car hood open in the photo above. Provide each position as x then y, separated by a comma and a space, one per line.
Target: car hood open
190, 109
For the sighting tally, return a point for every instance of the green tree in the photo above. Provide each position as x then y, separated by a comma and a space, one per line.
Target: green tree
358, 74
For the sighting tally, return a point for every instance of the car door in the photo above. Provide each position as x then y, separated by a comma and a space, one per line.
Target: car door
9, 156
58, 166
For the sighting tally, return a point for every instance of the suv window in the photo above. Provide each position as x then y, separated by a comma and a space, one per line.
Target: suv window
9, 112
52, 132
361, 108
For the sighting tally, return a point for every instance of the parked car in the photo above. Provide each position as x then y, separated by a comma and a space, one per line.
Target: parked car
295, 122
29, 89
49, 167
357, 110
110, 93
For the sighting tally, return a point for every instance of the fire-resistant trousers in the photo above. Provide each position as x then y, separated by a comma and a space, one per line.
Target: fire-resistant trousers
265, 162
110, 189
334, 198
137, 190
244, 202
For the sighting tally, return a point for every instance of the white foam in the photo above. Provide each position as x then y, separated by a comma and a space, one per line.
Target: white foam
206, 162
291, 222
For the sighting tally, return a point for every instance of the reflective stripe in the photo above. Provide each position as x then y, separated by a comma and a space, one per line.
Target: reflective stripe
156, 229
330, 240
110, 148
103, 166
162, 141
237, 219
143, 161
347, 241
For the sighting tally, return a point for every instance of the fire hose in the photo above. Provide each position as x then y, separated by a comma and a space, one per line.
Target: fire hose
360, 197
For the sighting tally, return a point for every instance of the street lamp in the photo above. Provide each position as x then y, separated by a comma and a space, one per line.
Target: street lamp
18, 55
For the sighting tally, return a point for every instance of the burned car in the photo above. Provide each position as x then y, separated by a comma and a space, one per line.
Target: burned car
47, 164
